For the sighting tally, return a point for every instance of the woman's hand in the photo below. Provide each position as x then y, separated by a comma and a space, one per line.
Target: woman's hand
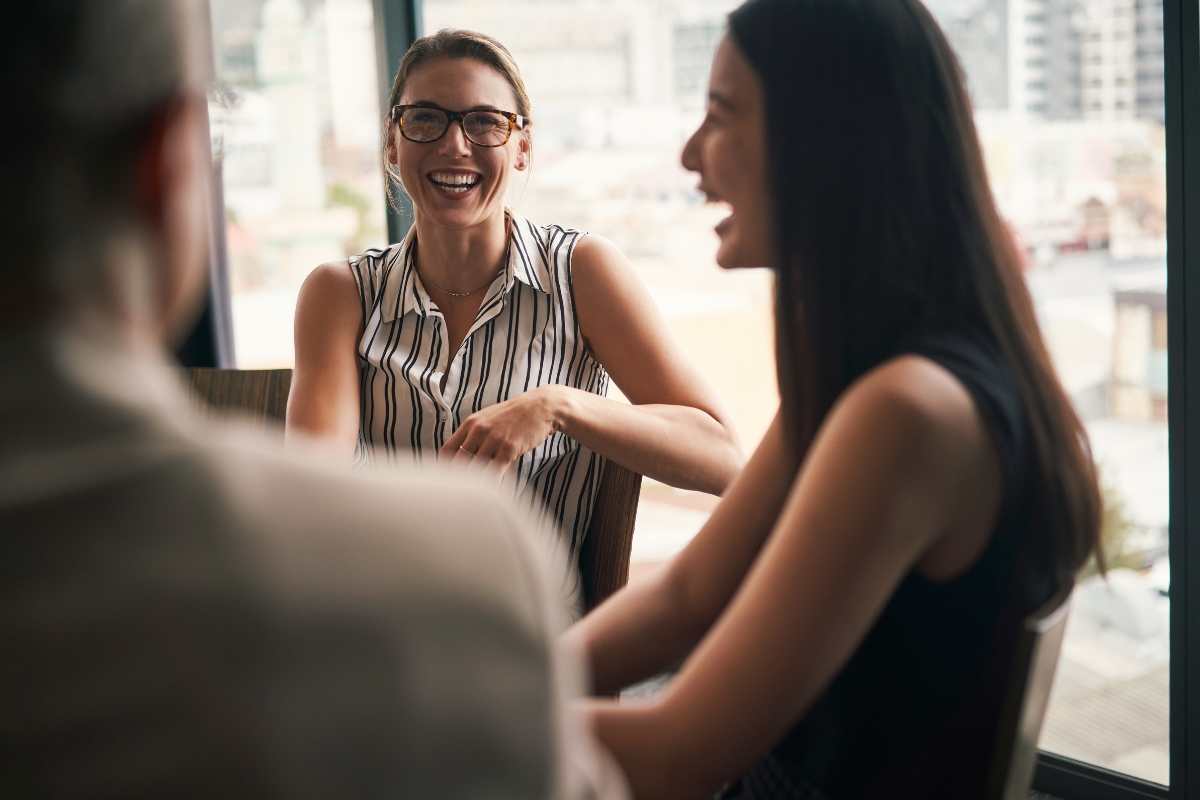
498, 435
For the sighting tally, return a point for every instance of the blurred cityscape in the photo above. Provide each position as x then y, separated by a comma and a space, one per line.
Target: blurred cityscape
1069, 108
296, 118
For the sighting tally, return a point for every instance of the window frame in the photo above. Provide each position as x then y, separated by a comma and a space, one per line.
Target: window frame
398, 23
210, 342
1181, 53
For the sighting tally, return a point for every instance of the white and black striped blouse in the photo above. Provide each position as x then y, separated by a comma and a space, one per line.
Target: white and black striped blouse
525, 335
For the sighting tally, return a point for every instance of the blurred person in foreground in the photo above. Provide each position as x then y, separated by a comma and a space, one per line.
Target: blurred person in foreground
849, 613
187, 613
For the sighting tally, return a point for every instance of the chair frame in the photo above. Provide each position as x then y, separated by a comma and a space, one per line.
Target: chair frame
1028, 693
260, 394
604, 557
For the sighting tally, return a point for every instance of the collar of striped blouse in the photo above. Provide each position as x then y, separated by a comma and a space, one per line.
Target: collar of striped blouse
525, 257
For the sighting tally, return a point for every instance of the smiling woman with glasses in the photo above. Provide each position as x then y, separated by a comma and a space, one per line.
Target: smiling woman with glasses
483, 337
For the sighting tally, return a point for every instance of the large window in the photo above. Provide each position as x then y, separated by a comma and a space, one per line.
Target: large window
1074, 110
296, 121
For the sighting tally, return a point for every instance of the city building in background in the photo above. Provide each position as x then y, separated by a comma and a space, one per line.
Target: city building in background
1060, 59
297, 123
1139, 366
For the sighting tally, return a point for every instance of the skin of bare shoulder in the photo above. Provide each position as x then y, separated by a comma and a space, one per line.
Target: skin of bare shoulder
323, 402
903, 468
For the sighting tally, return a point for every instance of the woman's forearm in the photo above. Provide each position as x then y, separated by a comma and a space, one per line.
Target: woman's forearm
676, 445
653, 623
637, 633
657, 750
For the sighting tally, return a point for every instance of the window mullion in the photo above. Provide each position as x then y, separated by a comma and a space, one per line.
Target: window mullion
397, 26
1181, 30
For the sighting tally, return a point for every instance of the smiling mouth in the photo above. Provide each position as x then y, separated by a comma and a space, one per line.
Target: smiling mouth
455, 182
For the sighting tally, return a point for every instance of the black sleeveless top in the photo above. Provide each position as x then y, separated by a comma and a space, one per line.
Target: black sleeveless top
915, 710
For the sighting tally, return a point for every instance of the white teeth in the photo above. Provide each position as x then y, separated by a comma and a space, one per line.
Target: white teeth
455, 183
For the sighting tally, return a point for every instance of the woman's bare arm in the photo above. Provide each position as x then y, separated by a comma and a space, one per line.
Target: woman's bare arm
324, 403
652, 624
903, 469
676, 430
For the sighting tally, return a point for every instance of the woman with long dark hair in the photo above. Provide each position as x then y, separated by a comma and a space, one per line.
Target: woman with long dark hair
849, 612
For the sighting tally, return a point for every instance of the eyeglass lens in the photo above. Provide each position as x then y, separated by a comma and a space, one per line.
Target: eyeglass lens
486, 128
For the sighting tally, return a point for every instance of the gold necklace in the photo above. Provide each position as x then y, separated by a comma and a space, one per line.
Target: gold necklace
428, 282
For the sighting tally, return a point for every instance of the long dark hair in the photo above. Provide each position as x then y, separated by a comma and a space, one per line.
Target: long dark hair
886, 227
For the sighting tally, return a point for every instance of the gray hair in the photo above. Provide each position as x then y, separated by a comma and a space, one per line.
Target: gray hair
81, 82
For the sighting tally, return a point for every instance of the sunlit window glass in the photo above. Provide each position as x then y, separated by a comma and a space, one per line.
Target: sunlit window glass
296, 119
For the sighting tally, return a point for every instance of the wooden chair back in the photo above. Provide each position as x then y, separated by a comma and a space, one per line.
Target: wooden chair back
259, 394
1025, 701
604, 557
262, 395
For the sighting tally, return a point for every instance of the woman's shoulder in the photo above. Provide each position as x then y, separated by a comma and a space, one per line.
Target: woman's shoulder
336, 277
546, 232
374, 260
977, 363
912, 391
547, 243
963, 370
548, 257
330, 291
369, 270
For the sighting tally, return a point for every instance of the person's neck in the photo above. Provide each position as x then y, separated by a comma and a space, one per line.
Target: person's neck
42, 313
462, 259
120, 332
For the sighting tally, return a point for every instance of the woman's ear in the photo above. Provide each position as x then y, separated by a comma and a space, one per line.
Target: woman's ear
390, 148
524, 152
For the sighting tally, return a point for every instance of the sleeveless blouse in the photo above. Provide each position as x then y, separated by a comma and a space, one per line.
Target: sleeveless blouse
914, 713
525, 335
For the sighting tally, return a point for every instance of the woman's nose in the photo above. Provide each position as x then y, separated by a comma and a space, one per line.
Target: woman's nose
455, 142
690, 158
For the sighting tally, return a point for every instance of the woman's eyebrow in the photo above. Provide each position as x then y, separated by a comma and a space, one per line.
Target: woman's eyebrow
440, 107
720, 99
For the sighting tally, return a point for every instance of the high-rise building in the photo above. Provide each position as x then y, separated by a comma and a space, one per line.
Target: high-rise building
1060, 59
1109, 60
1052, 32
693, 43
1149, 32
978, 32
